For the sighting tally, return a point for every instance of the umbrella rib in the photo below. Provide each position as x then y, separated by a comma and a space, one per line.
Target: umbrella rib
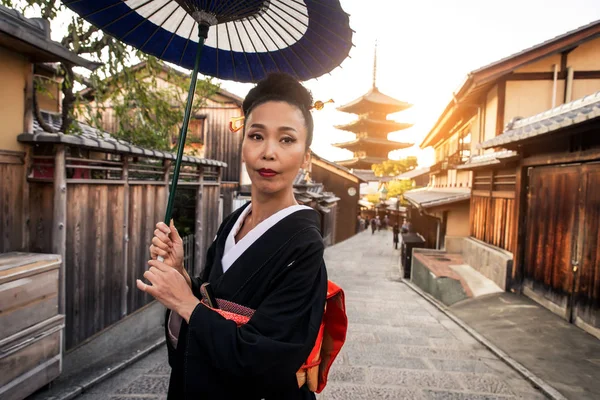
217, 50
186, 44
263, 43
145, 20
231, 52
174, 33
254, 48
159, 27
321, 25
307, 38
289, 46
316, 33
131, 11
234, 7
244, 51
282, 53
97, 11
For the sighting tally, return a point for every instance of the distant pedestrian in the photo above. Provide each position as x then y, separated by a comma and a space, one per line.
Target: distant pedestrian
378, 223
373, 226
396, 231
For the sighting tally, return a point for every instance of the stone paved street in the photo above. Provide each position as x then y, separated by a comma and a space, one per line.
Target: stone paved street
399, 346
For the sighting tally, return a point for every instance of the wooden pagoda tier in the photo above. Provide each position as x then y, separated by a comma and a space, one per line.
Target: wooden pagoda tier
375, 127
375, 102
361, 162
374, 146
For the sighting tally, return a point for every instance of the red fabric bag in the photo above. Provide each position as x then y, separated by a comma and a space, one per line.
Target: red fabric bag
329, 342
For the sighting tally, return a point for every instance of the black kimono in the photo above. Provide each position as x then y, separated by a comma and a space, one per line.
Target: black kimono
282, 276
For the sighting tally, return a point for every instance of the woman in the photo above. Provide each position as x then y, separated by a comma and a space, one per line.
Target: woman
267, 256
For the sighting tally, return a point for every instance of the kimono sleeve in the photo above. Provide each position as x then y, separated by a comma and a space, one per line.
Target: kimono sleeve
272, 346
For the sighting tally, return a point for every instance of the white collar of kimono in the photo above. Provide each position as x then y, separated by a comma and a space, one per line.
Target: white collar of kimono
234, 250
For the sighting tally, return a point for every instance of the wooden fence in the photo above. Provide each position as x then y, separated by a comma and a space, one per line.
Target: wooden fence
98, 211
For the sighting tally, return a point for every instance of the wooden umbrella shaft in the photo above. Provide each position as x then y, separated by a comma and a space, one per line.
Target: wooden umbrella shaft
202, 34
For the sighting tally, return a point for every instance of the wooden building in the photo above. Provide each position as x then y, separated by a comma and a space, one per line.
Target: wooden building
208, 136
346, 186
553, 216
523, 131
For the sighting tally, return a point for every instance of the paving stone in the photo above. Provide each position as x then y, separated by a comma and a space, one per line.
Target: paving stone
421, 379
484, 384
346, 392
348, 374
359, 358
446, 395
161, 369
460, 366
146, 385
401, 338
436, 352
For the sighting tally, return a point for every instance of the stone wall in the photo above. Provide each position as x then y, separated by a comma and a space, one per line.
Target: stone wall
492, 262
446, 289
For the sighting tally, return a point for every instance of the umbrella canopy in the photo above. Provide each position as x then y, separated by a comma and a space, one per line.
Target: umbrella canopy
247, 39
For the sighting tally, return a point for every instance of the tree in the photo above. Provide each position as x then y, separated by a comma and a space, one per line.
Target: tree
148, 113
394, 167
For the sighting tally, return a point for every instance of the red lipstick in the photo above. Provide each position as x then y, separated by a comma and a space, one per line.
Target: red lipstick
267, 173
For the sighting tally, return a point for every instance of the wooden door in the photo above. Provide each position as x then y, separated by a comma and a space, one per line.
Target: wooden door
586, 298
552, 216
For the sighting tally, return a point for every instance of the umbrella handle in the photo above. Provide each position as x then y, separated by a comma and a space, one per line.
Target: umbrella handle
202, 34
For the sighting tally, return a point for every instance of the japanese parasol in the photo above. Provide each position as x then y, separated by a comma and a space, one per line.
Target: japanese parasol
240, 40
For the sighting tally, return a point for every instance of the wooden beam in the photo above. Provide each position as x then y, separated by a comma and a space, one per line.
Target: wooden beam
562, 158
501, 107
125, 272
26, 218
586, 75
28, 110
534, 76
59, 221
199, 228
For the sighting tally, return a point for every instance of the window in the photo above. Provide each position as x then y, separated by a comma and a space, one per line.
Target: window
196, 130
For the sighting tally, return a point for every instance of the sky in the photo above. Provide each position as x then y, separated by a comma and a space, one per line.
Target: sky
425, 50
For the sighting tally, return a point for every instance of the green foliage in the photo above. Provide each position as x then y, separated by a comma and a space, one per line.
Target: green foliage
147, 115
398, 187
395, 167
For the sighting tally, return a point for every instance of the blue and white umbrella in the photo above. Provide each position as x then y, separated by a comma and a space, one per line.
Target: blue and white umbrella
240, 40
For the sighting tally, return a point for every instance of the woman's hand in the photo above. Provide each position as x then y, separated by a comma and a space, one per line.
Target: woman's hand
170, 288
168, 244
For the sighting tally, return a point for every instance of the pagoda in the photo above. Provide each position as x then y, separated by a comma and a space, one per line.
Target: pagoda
371, 145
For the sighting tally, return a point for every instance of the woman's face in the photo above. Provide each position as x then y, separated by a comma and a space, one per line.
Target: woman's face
274, 147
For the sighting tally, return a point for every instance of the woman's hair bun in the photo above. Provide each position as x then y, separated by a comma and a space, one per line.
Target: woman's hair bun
278, 86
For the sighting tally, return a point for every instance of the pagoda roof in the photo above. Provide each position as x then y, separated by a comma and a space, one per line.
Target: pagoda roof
362, 162
368, 124
374, 142
376, 101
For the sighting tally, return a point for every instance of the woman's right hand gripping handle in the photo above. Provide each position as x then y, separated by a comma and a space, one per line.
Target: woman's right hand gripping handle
167, 247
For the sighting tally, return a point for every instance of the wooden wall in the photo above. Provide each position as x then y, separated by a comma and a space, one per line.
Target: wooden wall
220, 143
493, 213
12, 203
347, 208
